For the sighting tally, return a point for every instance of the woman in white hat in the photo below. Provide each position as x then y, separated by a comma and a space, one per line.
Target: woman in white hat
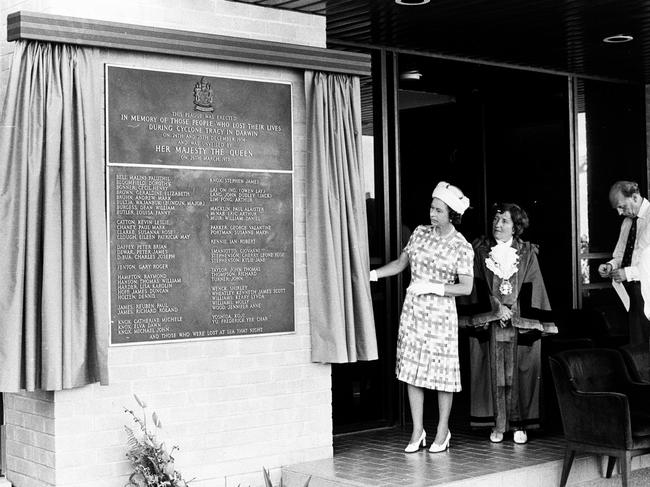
506, 329
441, 263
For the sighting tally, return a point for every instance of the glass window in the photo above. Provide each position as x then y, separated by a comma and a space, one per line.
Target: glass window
610, 146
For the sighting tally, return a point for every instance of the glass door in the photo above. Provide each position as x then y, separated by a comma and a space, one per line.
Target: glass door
609, 123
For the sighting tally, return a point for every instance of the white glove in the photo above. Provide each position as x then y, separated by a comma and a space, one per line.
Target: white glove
423, 287
374, 276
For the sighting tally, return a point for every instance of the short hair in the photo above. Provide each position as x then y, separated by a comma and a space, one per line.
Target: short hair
519, 217
454, 216
626, 188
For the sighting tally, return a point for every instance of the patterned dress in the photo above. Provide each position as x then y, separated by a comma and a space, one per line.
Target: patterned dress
427, 342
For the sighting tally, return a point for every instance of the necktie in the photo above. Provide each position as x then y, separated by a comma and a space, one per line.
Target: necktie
629, 245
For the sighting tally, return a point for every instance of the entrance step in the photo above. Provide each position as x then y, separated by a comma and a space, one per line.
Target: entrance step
586, 472
377, 459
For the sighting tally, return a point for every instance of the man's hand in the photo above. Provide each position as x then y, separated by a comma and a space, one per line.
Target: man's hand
618, 275
605, 270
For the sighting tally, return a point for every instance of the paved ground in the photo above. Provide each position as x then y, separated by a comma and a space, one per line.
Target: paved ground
639, 478
376, 459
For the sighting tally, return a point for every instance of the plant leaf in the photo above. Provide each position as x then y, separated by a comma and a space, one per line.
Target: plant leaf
141, 403
267, 478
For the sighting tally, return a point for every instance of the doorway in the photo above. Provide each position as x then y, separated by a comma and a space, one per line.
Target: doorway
501, 135
498, 134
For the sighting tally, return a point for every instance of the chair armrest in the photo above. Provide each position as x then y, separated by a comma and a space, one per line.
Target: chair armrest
598, 418
639, 396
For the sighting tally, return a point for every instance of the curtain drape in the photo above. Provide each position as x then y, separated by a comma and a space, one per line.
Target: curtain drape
340, 306
53, 291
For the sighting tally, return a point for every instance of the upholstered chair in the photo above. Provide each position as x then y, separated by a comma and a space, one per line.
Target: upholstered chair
604, 411
637, 358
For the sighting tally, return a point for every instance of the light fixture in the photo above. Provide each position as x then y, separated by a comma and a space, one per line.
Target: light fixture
618, 39
412, 3
412, 74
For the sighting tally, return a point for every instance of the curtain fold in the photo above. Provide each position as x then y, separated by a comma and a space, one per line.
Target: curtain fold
53, 297
340, 305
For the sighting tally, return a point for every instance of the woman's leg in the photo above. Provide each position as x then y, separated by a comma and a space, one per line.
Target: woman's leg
445, 400
416, 401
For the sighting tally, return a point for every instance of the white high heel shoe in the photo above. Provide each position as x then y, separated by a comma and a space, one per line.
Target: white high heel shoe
415, 446
440, 448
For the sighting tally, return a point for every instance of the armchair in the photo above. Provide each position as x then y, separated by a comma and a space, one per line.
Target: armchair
637, 358
610, 325
603, 410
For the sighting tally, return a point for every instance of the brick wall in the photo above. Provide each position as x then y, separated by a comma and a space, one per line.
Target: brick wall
29, 419
231, 405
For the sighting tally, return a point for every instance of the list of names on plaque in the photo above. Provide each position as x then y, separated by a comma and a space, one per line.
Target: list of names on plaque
200, 254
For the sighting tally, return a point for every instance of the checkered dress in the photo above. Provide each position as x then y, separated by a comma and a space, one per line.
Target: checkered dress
427, 342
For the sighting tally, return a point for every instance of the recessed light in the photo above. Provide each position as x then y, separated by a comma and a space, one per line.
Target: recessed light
618, 39
412, 74
412, 3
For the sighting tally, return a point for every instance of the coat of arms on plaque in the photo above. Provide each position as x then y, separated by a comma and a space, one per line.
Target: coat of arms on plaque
203, 96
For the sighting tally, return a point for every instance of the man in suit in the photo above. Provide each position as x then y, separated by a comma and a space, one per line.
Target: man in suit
633, 239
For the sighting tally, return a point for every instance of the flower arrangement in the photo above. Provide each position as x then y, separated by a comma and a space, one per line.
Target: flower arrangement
153, 465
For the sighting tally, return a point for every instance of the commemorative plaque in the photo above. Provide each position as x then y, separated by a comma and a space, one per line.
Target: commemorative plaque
201, 241
168, 119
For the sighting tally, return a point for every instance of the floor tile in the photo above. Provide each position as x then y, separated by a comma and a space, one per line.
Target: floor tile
376, 458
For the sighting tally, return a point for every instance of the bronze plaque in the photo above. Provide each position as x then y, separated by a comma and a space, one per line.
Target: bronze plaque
198, 249
177, 119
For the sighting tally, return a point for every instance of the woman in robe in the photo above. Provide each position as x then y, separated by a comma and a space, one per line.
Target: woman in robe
441, 263
505, 345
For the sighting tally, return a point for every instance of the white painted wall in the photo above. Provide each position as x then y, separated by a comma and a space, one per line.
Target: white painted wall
231, 405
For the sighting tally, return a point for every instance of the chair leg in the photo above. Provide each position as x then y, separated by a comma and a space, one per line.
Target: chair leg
611, 461
569, 455
626, 461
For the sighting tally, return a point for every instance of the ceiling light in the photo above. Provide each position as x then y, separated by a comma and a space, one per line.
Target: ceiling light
412, 74
618, 39
412, 2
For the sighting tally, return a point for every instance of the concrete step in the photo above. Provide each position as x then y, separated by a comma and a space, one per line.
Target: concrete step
585, 472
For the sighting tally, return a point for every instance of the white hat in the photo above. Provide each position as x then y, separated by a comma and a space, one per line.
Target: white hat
452, 196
